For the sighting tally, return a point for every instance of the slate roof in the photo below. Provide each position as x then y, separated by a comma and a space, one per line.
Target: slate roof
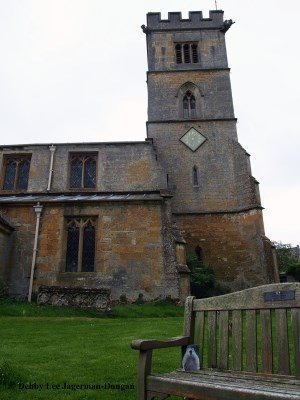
76, 197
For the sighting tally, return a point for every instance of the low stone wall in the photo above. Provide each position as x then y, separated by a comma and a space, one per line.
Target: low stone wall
76, 297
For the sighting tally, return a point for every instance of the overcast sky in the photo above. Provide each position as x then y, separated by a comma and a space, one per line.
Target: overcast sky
75, 70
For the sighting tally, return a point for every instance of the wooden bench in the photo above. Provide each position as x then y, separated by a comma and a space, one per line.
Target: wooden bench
249, 343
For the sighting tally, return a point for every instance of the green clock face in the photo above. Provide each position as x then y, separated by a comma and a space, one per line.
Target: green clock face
193, 139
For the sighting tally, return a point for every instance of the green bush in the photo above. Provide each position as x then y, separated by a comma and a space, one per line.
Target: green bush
294, 271
203, 278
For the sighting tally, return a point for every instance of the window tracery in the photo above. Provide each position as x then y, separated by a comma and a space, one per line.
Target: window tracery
80, 252
16, 173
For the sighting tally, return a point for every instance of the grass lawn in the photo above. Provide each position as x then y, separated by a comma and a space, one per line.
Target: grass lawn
43, 345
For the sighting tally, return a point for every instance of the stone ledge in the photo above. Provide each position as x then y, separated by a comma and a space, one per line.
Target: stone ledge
76, 297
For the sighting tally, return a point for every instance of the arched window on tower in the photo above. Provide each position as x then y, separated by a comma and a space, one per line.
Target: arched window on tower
194, 53
195, 176
189, 105
186, 53
178, 53
199, 253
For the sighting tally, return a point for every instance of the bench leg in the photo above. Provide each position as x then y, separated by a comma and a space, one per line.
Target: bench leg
144, 369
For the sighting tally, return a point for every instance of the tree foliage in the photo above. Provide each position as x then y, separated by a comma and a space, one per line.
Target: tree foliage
287, 262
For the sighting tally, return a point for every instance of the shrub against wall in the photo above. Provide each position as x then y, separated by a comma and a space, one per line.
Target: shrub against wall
203, 278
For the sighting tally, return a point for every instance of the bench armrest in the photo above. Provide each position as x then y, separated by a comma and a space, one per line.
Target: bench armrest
150, 344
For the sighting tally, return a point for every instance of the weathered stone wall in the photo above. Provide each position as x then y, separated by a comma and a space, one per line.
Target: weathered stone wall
164, 96
225, 181
6, 242
231, 244
120, 166
76, 297
133, 255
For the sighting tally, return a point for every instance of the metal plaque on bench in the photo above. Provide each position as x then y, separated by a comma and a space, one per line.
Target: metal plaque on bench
283, 295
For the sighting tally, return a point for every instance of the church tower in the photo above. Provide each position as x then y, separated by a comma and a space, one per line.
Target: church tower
191, 121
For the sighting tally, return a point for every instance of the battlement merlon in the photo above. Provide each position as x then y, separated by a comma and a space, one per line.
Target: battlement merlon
176, 22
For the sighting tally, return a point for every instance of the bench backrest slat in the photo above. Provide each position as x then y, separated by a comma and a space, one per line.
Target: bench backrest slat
266, 341
223, 340
255, 330
199, 331
237, 344
296, 337
251, 341
212, 339
282, 342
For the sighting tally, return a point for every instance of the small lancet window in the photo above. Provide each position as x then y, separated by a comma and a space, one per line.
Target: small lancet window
178, 53
199, 253
195, 176
186, 52
189, 105
185, 107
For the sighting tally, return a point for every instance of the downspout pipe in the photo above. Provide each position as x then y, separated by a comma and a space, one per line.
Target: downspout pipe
52, 151
38, 210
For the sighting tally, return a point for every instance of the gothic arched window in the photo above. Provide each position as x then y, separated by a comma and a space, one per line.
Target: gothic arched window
16, 173
83, 171
189, 105
178, 53
80, 255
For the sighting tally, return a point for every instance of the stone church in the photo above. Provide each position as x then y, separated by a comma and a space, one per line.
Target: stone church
120, 215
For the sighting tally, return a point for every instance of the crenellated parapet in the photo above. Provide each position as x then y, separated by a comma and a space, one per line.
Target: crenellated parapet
176, 22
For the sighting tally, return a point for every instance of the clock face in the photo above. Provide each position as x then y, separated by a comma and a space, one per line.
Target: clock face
193, 139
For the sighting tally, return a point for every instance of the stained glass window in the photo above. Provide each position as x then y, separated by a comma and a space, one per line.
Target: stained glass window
16, 173
72, 248
80, 254
83, 171
88, 248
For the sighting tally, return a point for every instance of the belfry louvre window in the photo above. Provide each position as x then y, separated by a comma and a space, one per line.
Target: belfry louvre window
83, 170
16, 172
186, 53
189, 105
80, 255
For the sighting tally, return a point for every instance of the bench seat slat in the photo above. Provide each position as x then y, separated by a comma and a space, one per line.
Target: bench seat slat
296, 337
266, 341
205, 386
237, 329
282, 342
